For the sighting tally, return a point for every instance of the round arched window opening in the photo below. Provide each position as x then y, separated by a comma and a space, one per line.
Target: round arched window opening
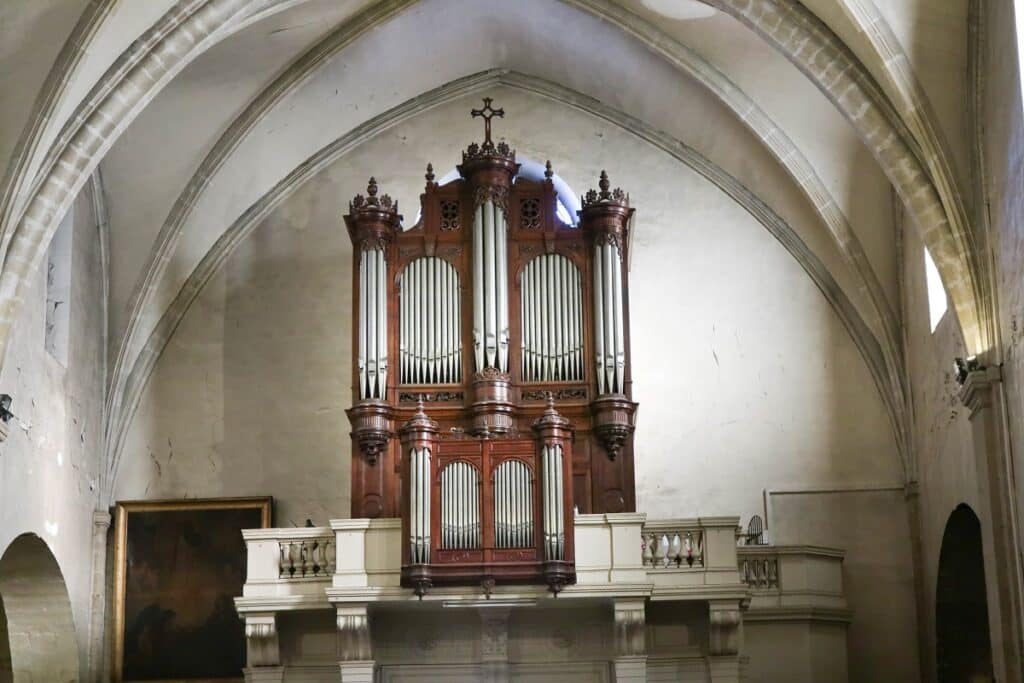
568, 201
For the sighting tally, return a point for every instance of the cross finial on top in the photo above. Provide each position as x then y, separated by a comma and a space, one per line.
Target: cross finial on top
487, 112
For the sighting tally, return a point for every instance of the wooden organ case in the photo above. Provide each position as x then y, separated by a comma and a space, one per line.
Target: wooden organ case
492, 391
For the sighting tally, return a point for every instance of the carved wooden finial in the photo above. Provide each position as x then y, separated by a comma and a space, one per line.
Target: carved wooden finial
487, 112
371, 187
604, 183
430, 173
548, 172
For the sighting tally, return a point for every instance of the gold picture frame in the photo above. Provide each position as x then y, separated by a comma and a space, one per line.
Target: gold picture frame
181, 530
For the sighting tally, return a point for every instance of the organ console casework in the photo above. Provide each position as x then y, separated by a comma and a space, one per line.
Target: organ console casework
492, 392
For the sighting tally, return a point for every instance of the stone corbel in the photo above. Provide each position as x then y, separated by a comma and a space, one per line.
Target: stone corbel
354, 633
263, 656
630, 620
724, 622
630, 641
976, 390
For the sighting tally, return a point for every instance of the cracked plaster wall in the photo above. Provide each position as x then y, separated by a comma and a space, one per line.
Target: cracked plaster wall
50, 462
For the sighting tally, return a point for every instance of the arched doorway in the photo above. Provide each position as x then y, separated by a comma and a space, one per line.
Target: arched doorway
963, 649
38, 631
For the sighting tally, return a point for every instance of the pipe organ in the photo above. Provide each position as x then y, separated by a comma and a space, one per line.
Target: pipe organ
511, 404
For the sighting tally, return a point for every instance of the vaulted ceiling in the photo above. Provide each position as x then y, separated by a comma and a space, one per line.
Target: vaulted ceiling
198, 113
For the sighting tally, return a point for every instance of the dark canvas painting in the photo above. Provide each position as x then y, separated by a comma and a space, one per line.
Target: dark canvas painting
182, 570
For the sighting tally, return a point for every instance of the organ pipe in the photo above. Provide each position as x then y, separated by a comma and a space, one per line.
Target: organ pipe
609, 321
513, 505
553, 502
373, 325
552, 316
460, 507
490, 287
419, 508
430, 337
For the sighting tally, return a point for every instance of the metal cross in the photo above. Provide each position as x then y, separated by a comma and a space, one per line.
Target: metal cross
487, 113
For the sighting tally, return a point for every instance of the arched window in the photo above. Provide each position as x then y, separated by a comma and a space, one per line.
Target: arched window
937, 300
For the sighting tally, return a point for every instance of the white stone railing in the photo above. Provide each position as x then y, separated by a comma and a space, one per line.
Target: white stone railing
359, 560
759, 566
307, 557
673, 543
793, 579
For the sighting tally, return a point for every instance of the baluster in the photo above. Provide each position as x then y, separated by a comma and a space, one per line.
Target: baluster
318, 558
661, 554
675, 550
283, 561
646, 552
293, 557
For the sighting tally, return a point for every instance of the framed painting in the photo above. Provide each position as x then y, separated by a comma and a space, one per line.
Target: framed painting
178, 567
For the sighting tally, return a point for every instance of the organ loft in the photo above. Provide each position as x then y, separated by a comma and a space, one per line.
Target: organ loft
492, 397
494, 532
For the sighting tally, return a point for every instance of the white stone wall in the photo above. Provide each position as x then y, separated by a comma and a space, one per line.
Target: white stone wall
746, 377
50, 463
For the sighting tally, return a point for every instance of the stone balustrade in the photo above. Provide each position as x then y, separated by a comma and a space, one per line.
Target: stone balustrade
759, 566
666, 545
307, 558
622, 559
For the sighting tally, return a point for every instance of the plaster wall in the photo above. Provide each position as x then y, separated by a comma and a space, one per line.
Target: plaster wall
50, 472
746, 378
1002, 121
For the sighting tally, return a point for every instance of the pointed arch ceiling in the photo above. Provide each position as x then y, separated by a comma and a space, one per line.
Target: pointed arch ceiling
218, 101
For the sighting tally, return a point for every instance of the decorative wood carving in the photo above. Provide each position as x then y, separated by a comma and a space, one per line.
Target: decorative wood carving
488, 408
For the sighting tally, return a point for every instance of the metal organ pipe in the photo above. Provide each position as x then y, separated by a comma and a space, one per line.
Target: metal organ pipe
609, 320
554, 502
490, 287
460, 506
419, 508
552, 318
373, 321
513, 505
430, 339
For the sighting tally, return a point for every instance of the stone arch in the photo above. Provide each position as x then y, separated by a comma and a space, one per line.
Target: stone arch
36, 623
963, 649
130, 391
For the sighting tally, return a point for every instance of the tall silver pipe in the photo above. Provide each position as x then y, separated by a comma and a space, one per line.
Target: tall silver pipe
478, 287
501, 255
490, 310
363, 388
599, 318
382, 325
609, 319
620, 326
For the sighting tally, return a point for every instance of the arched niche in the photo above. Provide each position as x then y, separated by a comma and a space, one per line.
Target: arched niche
963, 648
35, 616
